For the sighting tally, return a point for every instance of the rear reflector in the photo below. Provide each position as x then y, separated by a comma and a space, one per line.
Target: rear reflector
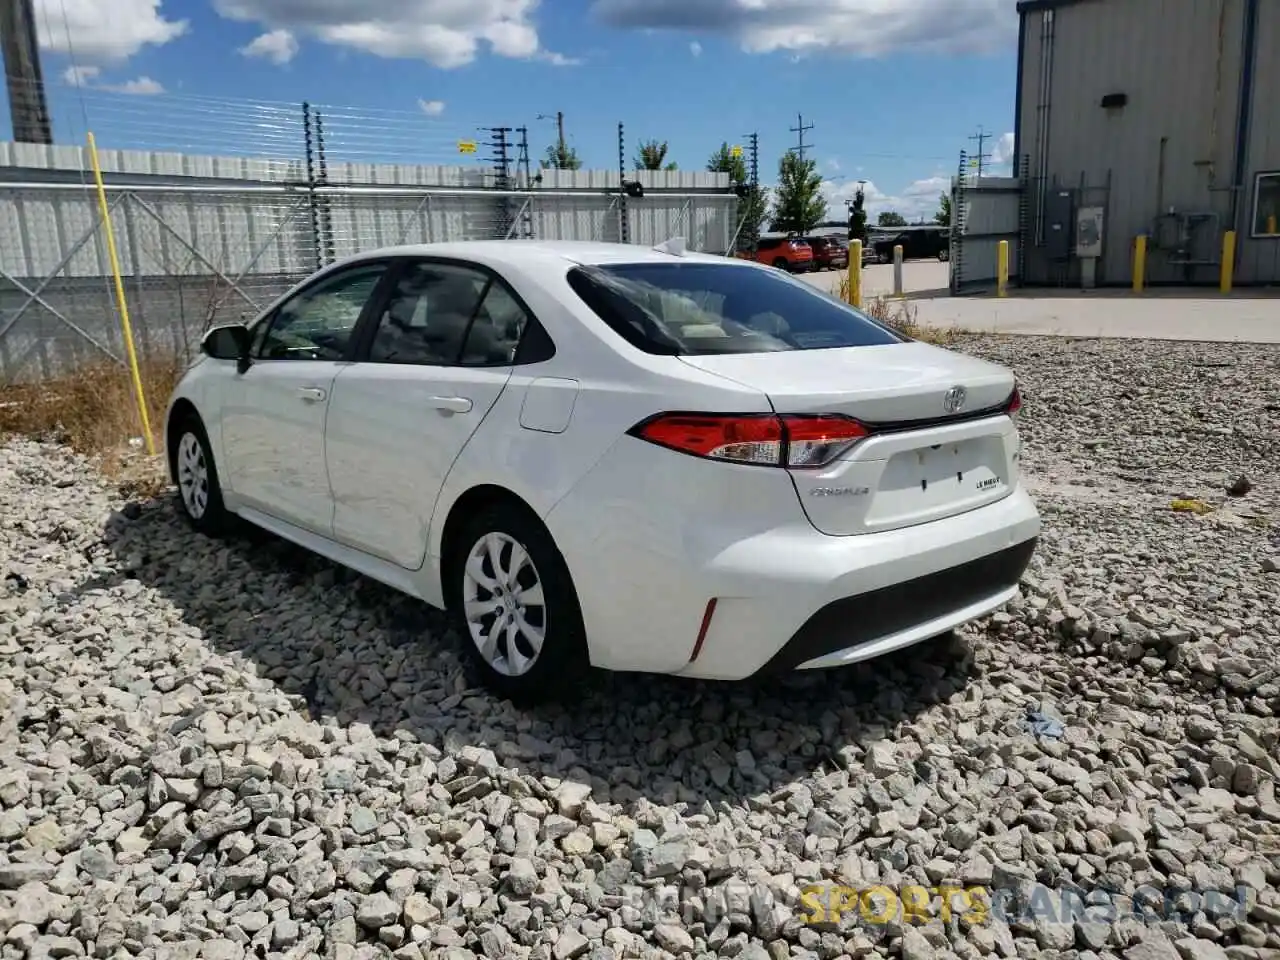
758, 440
702, 630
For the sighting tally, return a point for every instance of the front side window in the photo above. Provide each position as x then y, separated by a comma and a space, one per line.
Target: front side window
1266, 205
444, 315
710, 308
318, 322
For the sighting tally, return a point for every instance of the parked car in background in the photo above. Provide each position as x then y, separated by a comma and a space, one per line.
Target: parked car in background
829, 253
785, 253
917, 243
611, 456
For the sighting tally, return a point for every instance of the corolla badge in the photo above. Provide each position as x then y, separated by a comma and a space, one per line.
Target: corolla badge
953, 399
839, 492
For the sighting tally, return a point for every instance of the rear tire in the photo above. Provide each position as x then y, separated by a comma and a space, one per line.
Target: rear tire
196, 474
515, 607
780, 262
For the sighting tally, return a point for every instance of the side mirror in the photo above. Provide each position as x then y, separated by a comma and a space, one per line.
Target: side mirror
230, 342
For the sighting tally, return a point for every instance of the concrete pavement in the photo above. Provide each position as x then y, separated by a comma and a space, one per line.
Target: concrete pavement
1245, 316
1217, 319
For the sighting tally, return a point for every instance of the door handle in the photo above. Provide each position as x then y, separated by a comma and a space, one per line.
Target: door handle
311, 394
451, 404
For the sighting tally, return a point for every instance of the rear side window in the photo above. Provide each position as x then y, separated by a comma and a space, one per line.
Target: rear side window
687, 309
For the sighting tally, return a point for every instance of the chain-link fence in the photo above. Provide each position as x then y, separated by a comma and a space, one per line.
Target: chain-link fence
207, 238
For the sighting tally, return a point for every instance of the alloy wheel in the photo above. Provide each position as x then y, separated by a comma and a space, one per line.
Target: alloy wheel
193, 475
504, 606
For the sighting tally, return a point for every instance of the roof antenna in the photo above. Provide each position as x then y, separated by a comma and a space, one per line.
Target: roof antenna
674, 246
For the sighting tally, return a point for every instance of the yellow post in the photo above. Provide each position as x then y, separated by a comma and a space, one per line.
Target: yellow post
121, 302
1002, 269
1139, 262
1228, 261
855, 273
1271, 225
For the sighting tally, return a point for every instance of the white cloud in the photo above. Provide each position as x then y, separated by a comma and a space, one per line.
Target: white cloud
80, 76
98, 31
864, 28
278, 46
695, 48
919, 200
1002, 151
88, 77
444, 33
141, 87
432, 108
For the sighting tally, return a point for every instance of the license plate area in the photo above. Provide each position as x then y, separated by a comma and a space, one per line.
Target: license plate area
938, 480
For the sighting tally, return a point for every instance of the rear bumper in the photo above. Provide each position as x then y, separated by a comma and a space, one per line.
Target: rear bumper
835, 601
871, 624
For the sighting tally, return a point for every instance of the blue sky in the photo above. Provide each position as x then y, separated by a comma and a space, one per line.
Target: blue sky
894, 88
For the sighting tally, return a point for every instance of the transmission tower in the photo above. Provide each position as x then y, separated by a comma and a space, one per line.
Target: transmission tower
800, 130
981, 157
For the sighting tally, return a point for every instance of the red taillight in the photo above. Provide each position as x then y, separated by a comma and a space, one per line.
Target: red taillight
770, 441
1014, 403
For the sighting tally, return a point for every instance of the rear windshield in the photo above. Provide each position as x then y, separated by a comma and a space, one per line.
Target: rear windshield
683, 309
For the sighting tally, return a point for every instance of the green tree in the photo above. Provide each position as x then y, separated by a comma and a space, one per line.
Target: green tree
561, 158
751, 208
890, 218
652, 155
798, 204
858, 216
943, 216
724, 161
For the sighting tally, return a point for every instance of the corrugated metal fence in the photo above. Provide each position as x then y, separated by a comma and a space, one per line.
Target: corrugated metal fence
209, 239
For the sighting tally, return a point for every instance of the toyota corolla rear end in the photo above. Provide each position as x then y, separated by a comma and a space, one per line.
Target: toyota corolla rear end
836, 492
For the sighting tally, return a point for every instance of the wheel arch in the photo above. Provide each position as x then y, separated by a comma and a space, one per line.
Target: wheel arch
473, 501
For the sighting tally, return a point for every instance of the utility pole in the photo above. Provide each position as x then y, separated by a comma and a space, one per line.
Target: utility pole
800, 131
982, 137
28, 108
559, 119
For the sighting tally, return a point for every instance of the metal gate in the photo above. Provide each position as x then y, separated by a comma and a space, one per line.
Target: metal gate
984, 211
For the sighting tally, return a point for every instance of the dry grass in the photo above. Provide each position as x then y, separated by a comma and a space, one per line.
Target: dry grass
903, 316
93, 411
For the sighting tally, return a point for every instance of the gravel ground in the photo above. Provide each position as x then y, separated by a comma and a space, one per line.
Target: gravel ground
235, 749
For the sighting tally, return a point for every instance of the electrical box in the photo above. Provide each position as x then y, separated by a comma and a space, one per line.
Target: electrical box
1059, 223
1089, 233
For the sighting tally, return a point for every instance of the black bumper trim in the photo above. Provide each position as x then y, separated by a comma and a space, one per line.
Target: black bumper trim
862, 618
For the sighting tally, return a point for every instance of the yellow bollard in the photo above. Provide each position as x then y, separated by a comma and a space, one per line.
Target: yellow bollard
1228, 261
1271, 226
1002, 269
855, 273
1139, 263
123, 304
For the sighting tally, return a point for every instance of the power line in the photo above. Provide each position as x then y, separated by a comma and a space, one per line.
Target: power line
981, 158
800, 131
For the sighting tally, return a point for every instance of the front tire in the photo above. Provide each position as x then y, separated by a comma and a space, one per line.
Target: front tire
196, 474
515, 607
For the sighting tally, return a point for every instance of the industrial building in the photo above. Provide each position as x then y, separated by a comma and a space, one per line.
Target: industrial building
1148, 117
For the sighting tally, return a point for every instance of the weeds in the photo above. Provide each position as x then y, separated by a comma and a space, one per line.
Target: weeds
93, 411
903, 317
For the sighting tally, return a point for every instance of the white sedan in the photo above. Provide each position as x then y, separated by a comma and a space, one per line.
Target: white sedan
614, 456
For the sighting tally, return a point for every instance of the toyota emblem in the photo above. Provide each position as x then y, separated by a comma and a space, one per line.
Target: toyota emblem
954, 399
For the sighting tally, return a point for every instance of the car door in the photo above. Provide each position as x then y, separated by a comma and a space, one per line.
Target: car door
432, 365
274, 414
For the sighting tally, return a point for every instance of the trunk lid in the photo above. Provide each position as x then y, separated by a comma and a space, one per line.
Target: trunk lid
923, 461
